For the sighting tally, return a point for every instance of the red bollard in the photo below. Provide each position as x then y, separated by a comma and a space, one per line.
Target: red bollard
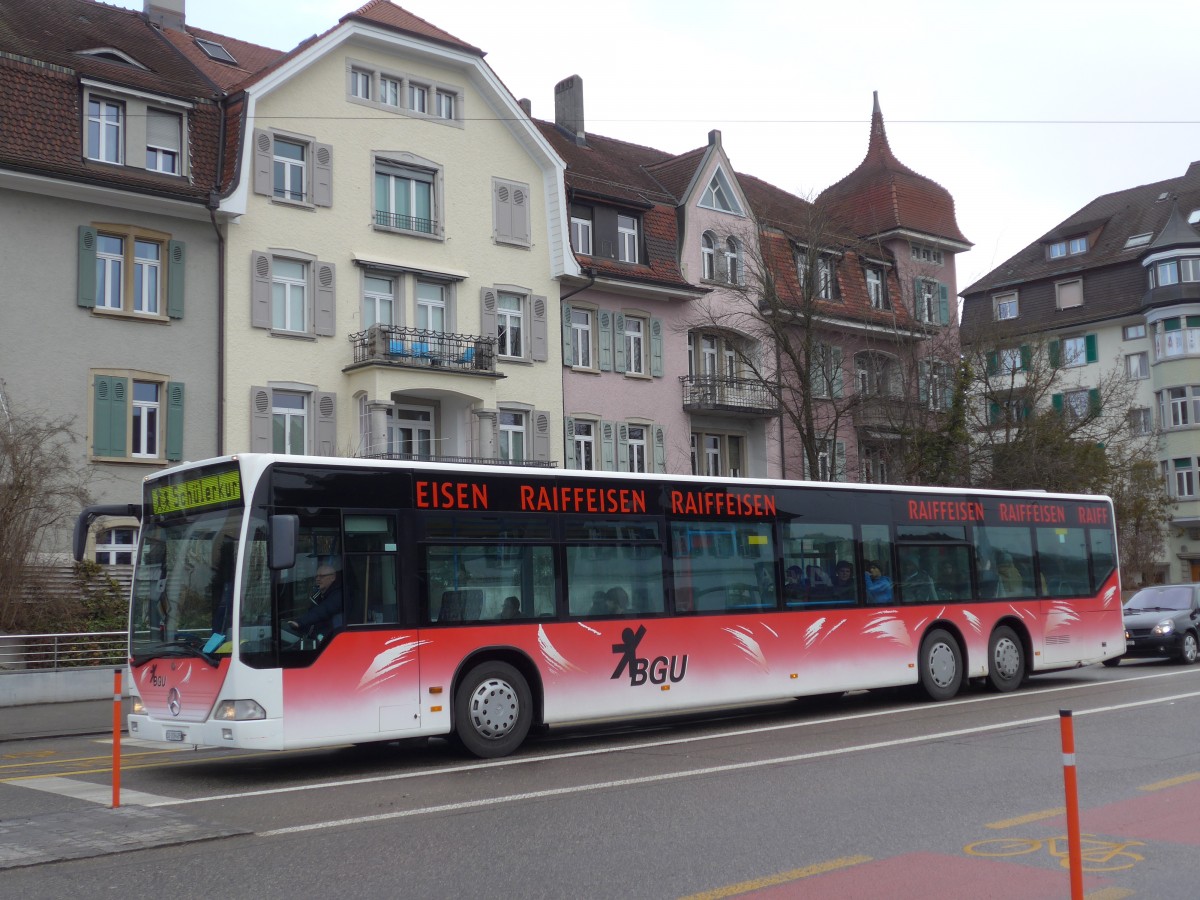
1071, 786
116, 760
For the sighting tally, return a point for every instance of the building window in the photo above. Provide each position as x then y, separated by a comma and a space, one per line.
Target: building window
1137, 366
1077, 403
163, 141
106, 120
1133, 332
389, 91
410, 431
110, 282
925, 254
733, 261
115, 546
360, 84
431, 307
1069, 294
290, 170
824, 269
719, 195
1070, 247
445, 105
635, 345
1074, 352
418, 98
708, 256
585, 444
717, 455
289, 295
581, 233
509, 324
145, 419
1140, 421
874, 465
627, 239
289, 423
1176, 409
877, 288
405, 198
877, 375
1185, 477
379, 301
135, 271
636, 444
137, 417
512, 435
1006, 306
1138, 240
581, 338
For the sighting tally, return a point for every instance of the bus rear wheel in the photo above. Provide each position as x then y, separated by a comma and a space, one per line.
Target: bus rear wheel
940, 665
1006, 660
493, 710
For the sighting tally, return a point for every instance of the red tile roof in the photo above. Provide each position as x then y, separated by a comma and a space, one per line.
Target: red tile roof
381, 12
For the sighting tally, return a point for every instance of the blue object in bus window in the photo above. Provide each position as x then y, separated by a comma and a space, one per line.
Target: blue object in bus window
213, 643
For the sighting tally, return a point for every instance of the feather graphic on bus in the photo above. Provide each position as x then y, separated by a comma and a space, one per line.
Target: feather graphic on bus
888, 626
555, 661
1060, 614
744, 640
387, 663
1108, 596
973, 621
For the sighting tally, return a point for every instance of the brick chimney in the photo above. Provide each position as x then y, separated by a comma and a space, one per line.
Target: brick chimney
568, 108
165, 13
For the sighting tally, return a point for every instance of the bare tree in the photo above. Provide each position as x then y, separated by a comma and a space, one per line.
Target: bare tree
42, 488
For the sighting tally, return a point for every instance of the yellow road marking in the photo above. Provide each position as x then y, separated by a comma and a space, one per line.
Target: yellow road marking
758, 884
1031, 817
1170, 782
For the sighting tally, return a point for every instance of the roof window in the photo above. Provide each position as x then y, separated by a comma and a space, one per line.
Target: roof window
213, 50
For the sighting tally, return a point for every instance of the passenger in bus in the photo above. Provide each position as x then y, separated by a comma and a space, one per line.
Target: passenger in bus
950, 585
916, 585
793, 584
618, 601
326, 612
1011, 582
511, 608
843, 582
879, 586
989, 582
599, 604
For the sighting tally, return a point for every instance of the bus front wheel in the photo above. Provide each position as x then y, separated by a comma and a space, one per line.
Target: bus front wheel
493, 710
940, 665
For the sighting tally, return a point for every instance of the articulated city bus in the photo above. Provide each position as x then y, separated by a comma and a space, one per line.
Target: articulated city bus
286, 602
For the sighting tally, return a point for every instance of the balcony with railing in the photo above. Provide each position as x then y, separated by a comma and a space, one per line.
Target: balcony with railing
405, 223
730, 396
417, 348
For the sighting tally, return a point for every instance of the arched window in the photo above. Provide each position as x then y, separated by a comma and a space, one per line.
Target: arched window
733, 261
708, 256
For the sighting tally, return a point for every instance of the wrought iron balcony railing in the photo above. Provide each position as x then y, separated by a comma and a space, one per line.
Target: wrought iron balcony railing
735, 396
464, 460
407, 223
418, 348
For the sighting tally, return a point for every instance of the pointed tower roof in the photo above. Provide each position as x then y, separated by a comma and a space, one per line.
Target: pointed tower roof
883, 194
1176, 233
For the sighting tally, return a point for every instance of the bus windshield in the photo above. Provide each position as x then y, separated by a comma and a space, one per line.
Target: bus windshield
183, 589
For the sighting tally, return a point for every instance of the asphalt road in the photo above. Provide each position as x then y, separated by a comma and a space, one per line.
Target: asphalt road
873, 795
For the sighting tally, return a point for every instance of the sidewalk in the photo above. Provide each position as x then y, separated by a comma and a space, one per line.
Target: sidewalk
45, 720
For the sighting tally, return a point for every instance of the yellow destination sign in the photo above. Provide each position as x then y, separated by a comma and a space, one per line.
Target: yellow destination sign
196, 493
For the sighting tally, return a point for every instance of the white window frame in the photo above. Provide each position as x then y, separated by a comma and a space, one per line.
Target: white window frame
1076, 403
581, 235
146, 420
110, 271
875, 287
147, 278
161, 158
733, 261
636, 330
104, 126
1140, 420
708, 256
376, 300
582, 356
444, 104
926, 254
140, 281
1008, 360
429, 309
287, 415
108, 545
637, 446
396, 170
284, 170
284, 289
1133, 332
1185, 477
627, 238
511, 425
1137, 366
927, 303
1074, 352
1007, 306
585, 443
418, 98
360, 83
391, 91
719, 195
510, 325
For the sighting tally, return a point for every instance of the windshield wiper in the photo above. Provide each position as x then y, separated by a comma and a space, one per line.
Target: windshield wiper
183, 645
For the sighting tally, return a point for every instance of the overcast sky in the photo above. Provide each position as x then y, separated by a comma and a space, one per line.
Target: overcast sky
1025, 110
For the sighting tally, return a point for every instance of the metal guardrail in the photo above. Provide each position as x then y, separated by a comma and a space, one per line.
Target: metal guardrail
47, 652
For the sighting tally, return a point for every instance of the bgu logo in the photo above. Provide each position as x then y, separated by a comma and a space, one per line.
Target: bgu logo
641, 670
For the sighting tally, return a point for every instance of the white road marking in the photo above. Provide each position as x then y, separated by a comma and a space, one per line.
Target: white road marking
93, 793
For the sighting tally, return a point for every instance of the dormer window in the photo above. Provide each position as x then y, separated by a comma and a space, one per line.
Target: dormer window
213, 50
1070, 247
719, 195
111, 54
1138, 240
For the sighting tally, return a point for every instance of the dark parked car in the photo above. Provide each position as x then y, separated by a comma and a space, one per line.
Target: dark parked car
1163, 620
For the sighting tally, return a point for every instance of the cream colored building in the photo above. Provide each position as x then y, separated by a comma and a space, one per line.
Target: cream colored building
392, 262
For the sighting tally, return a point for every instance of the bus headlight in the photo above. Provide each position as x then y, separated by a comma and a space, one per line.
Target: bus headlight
1165, 627
137, 707
238, 711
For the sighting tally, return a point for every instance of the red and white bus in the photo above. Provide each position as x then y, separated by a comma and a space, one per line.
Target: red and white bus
477, 601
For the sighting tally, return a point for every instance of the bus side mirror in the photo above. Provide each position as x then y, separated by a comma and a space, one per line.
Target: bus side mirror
281, 549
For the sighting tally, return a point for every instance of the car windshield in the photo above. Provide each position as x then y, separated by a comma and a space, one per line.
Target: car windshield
1165, 599
183, 587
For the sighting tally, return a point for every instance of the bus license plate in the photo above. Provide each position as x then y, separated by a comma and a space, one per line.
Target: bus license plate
175, 734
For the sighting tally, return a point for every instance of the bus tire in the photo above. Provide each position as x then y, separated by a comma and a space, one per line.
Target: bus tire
493, 710
1006, 660
940, 665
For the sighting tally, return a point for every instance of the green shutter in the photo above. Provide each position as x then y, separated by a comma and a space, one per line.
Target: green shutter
1094, 401
993, 363
608, 446
1026, 358
86, 291
994, 413
174, 421
110, 415
943, 304
1056, 401
569, 442
176, 260
656, 347
1089, 342
1055, 350
923, 382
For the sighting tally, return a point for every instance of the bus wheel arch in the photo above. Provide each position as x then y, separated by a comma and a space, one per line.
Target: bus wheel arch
941, 662
496, 700
1008, 656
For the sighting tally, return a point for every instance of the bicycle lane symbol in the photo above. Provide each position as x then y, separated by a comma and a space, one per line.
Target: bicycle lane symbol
1097, 855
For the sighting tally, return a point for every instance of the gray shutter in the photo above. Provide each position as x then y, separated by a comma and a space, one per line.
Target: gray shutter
520, 214
569, 442
176, 261
174, 421
622, 447
567, 356
86, 291
604, 327
836, 364
323, 175
502, 210
541, 435
660, 449
487, 312
326, 299
656, 347
326, 434
618, 342
608, 446
260, 292
260, 420
541, 338
264, 163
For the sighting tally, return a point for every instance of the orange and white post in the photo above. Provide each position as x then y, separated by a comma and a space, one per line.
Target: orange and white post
116, 743
1071, 786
